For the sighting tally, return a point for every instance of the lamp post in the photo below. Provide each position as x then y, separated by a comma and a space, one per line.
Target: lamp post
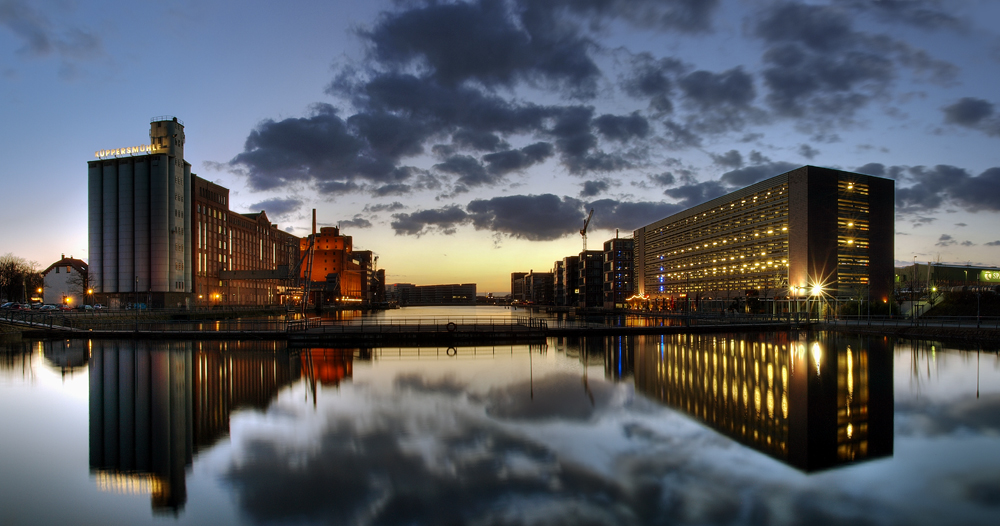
90, 295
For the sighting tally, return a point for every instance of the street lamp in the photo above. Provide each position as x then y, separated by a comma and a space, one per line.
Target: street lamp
90, 294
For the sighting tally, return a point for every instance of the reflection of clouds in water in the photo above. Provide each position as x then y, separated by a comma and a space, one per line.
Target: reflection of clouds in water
965, 415
435, 452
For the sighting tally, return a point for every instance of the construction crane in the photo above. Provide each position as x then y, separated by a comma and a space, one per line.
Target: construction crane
583, 231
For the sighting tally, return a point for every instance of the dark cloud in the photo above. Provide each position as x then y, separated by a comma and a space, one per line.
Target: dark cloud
925, 14
751, 174
709, 90
961, 224
935, 186
533, 217
500, 163
663, 179
651, 78
392, 189
470, 171
808, 151
478, 140
356, 222
277, 206
611, 214
40, 37
720, 102
967, 244
730, 159
881, 170
992, 243
384, 207
325, 148
694, 194
818, 66
622, 128
679, 136
337, 187
974, 113
483, 41
676, 15
446, 220
818, 27
593, 188
945, 241
877, 169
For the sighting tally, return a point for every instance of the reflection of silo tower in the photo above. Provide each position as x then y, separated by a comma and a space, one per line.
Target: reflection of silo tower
153, 406
139, 204
141, 419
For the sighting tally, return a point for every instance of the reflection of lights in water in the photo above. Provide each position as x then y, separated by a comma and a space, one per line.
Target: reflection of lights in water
756, 399
770, 403
784, 405
129, 483
770, 375
817, 355
784, 378
850, 378
850, 430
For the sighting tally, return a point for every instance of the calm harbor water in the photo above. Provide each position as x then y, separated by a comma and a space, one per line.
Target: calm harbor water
783, 428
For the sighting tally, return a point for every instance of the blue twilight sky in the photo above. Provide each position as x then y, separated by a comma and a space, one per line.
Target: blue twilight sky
462, 141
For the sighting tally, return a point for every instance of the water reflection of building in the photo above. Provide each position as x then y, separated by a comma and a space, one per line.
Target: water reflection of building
813, 403
154, 405
615, 353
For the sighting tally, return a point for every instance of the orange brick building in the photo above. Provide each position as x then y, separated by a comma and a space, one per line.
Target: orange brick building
335, 275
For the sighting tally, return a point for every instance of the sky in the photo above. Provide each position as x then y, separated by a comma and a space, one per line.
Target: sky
464, 140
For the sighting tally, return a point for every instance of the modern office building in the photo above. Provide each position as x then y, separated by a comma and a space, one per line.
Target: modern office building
590, 283
163, 237
618, 273
811, 233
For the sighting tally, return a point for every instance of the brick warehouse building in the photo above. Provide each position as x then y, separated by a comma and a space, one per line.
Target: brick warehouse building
161, 236
811, 233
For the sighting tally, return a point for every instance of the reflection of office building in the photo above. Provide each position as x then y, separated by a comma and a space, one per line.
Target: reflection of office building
810, 227
814, 404
154, 406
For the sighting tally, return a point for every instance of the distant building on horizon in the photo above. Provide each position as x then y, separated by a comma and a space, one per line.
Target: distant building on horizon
408, 294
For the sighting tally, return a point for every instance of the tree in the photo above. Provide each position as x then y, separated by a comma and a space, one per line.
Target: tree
82, 282
18, 277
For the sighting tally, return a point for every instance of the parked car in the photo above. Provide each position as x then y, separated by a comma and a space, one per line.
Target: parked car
48, 308
98, 306
65, 307
85, 307
20, 306
7, 305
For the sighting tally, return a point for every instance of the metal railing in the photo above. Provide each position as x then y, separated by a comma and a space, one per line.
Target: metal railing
418, 325
954, 322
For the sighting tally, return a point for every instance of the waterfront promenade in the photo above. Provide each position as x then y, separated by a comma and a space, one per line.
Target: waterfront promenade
453, 331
